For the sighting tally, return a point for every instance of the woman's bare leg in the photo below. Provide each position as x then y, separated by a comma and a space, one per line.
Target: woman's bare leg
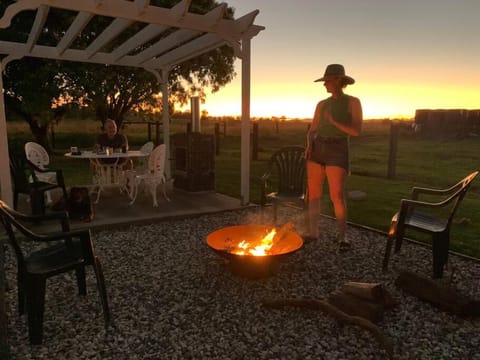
315, 177
336, 183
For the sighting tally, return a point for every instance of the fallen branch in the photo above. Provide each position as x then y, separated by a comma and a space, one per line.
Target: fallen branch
439, 295
329, 309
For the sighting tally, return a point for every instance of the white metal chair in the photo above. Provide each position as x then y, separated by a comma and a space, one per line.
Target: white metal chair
142, 163
38, 157
152, 177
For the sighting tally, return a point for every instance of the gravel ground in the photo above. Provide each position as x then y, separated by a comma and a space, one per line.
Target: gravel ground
172, 297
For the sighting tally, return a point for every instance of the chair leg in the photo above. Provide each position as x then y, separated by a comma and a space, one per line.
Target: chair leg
153, 191
440, 245
37, 200
134, 191
102, 290
165, 191
35, 309
21, 293
15, 201
275, 208
388, 250
81, 282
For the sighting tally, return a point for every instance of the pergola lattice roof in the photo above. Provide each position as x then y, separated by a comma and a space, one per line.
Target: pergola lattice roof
169, 37
189, 34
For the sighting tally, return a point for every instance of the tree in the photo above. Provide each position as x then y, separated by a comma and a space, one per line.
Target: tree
31, 94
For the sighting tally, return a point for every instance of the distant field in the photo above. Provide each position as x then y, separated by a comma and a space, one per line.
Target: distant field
419, 162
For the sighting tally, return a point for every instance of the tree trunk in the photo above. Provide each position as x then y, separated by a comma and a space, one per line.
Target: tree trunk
439, 295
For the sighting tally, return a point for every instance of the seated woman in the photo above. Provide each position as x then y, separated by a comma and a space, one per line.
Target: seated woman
118, 142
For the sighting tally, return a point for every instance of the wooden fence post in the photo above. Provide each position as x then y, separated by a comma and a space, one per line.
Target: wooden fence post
255, 142
149, 125
157, 133
217, 139
392, 154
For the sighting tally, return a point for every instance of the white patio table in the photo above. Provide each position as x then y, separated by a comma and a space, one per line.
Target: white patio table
107, 174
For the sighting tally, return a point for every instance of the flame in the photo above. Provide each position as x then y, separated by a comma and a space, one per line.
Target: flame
257, 248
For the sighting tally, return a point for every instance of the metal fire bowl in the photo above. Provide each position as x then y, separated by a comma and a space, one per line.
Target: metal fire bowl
250, 266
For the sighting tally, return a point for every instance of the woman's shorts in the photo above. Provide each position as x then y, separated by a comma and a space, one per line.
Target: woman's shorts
331, 152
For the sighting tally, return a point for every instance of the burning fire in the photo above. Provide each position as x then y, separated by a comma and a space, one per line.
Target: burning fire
263, 246
261, 249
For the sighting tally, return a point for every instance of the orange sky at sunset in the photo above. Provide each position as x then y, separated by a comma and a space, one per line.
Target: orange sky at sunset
404, 55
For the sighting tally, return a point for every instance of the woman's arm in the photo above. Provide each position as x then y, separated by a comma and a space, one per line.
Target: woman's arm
355, 128
312, 130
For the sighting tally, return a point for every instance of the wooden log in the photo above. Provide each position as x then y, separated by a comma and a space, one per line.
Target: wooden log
367, 291
356, 306
374, 292
325, 307
439, 295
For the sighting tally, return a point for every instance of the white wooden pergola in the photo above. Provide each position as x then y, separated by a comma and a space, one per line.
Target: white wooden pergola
189, 35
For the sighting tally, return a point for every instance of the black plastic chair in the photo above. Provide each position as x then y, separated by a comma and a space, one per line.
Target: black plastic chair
20, 172
286, 176
434, 218
65, 251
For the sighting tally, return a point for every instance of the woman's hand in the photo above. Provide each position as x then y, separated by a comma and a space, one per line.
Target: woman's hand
308, 152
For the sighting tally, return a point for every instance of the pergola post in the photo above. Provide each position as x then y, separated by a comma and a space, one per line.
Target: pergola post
5, 179
245, 142
166, 121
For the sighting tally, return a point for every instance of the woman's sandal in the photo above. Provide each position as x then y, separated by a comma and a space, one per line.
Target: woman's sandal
344, 245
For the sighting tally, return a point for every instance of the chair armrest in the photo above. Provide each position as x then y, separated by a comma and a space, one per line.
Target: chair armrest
58, 172
408, 204
416, 191
61, 216
63, 235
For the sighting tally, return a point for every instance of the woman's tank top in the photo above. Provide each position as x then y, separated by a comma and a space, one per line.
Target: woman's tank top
339, 111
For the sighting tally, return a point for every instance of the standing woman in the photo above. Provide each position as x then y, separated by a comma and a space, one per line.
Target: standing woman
335, 120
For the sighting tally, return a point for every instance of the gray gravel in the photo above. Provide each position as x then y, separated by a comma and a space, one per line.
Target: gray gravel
172, 297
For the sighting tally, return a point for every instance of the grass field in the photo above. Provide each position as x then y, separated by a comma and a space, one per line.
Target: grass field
420, 162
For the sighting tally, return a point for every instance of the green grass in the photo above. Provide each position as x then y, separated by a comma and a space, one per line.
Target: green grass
420, 162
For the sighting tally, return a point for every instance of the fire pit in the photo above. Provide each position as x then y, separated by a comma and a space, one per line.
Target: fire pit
254, 251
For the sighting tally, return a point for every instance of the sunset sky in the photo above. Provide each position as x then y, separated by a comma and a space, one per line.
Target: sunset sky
403, 54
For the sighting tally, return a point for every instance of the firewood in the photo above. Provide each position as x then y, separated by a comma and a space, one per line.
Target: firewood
356, 306
344, 318
375, 292
439, 295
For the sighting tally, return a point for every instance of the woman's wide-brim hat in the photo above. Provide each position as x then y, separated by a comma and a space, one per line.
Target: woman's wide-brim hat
336, 70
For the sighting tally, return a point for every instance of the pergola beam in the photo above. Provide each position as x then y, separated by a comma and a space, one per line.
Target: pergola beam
73, 31
111, 32
177, 17
37, 26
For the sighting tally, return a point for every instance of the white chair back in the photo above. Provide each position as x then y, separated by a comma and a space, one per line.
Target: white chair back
147, 148
156, 161
153, 177
37, 155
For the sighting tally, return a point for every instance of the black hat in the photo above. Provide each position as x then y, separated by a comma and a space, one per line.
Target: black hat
336, 70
